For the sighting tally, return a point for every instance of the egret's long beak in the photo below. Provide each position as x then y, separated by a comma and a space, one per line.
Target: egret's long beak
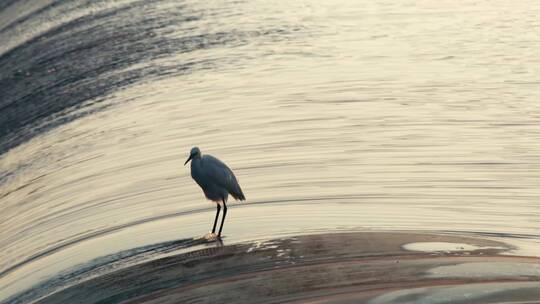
187, 161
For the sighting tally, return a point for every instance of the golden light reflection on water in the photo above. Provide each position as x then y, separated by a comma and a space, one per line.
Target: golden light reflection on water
399, 116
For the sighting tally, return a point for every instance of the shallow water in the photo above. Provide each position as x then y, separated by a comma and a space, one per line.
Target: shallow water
370, 267
340, 116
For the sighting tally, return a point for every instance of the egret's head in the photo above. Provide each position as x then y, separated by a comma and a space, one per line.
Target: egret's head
194, 154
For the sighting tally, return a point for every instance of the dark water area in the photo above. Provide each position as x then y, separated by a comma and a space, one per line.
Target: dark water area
339, 119
56, 73
323, 268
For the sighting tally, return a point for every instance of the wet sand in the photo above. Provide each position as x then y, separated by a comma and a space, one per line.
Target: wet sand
362, 267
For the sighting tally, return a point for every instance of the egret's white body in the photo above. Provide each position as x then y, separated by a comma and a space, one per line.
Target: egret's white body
216, 180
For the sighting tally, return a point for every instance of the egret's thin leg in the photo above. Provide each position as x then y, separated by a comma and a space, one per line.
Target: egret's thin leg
215, 220
223, 219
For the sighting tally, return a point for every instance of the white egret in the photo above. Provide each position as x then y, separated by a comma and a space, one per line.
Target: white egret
217, 182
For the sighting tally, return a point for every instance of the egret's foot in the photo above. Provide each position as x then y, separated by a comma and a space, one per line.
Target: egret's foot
211, 237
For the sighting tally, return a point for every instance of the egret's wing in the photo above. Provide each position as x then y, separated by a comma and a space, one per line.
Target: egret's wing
217, 172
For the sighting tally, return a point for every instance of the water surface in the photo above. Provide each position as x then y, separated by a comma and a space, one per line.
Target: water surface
338, 116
